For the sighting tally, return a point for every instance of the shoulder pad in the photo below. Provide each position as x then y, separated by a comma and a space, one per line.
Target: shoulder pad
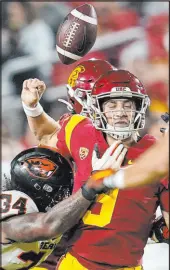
73, 123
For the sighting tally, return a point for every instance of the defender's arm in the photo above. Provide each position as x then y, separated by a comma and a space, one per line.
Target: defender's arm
42, 226
150, 167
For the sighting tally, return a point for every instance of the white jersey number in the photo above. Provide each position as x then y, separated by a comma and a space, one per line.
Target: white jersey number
18, 207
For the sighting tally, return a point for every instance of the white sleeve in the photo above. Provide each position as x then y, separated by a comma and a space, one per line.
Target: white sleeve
15, 202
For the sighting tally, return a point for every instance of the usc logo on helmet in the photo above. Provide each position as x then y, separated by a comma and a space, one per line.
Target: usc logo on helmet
40, 167
74, 75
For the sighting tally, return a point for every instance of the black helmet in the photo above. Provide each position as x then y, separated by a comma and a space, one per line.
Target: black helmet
44, 175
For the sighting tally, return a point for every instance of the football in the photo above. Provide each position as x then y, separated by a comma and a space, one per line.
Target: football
77, 34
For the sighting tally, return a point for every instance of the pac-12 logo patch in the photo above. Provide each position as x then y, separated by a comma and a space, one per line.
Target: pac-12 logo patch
83, 152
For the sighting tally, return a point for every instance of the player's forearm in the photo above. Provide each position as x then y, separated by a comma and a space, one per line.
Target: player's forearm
25, 228
148, 168
43, 126
43, 226
68, 212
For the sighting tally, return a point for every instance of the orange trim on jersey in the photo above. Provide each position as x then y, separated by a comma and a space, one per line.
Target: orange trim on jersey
73, 122
97, 175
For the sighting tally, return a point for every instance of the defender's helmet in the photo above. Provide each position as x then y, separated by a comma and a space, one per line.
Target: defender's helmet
44, 175
81, 82
119, 84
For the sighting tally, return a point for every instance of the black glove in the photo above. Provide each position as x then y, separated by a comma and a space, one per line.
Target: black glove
160, 232
165, 118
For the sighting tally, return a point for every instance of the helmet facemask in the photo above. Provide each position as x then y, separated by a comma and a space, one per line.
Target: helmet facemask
136, 119
82, 97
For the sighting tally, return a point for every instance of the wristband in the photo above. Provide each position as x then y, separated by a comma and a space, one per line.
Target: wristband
33, 112
115, 180
88, 193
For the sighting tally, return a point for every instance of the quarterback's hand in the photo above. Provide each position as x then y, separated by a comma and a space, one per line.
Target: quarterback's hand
159, 232
32, 91
111, 159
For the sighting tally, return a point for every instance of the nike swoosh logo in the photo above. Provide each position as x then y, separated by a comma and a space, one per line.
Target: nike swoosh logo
82, 45
130, 162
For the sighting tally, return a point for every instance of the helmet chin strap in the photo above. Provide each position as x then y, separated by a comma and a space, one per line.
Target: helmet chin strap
123, 133
69, 106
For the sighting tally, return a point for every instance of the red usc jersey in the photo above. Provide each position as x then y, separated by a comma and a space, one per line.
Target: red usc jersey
64, 117
76, 138
114, 231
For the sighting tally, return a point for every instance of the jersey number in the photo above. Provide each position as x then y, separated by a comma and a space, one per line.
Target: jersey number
20, 204
102, 219
32, 257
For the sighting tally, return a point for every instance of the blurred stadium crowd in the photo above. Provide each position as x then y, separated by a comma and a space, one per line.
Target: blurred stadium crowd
131, 35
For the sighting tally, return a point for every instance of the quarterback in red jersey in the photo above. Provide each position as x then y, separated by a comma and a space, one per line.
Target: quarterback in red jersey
114, 231
79, 87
